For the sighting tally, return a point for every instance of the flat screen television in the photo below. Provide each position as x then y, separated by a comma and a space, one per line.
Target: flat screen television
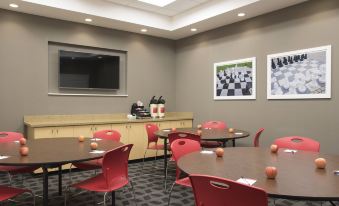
79, 70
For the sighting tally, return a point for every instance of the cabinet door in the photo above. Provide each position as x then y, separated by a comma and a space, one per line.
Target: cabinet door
165, 125
186, 123
85, 130
63, 132
138, 137
98, 127
122, 129
43, 132
176, 124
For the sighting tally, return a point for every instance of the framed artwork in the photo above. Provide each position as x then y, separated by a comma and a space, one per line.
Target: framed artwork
299, 74
235, 79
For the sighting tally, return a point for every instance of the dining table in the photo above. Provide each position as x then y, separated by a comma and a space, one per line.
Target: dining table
221, 135
53, 153
297, 178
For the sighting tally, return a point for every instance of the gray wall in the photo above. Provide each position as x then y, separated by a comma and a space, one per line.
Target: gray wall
307, 25
24, 68
183, 73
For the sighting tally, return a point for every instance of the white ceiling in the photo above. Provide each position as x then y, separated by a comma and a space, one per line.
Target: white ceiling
173, 21
175, 8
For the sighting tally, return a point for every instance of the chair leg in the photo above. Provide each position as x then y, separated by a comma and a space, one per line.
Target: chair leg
143, 161
166, 175
70, 174
67, 191
156, 155
33, 196
332, 203
170, 193
10, 178
105, 198
133, 192
155, 159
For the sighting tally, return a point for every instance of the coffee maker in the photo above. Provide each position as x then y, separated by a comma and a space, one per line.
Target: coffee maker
139, 111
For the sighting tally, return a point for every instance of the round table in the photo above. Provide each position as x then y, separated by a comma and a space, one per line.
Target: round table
221, 135
53, 152
297, 177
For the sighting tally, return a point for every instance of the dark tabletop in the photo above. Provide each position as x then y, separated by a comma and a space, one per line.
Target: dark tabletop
53, 151
297, 176
207, 134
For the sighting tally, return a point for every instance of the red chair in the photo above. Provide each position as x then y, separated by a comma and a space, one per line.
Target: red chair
180, 135
6, 137
7, 193
215, 191
10, 137
257, 136
213, 125
114, 173
152, 143
298, 143
181, 147
96, 164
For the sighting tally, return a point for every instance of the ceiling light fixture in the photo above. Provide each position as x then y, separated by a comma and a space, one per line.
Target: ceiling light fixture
143, 30
194, 29
14, 5
88, 20
241, 14
160, 3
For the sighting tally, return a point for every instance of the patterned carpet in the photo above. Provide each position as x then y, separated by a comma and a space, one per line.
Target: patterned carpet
149, 189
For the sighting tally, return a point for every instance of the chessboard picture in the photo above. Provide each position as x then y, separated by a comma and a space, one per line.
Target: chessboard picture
299, 74
235, 79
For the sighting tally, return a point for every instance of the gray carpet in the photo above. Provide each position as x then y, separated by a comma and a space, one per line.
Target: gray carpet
148, 185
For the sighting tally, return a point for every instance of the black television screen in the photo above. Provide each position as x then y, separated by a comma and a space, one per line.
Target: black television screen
80, 70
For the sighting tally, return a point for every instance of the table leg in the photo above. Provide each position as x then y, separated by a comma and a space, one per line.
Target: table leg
60, 179
165, 156
113, 198
233, 142
45, 186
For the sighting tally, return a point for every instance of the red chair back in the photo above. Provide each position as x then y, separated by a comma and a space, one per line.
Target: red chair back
150, 129
214, 125
214, 191
108, 135
180, 135
115, 164
257, 136
10, 136
181, 147
298, 143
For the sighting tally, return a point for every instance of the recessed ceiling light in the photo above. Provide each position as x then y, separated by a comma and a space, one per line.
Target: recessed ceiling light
160, 3
14, 5
143, 30
88, 20
241, 14
194, 29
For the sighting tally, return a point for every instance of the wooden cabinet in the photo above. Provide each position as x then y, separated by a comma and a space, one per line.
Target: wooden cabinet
138, 137
132, 132
165, 124
178, 124
52, 132
89, 130
123, 130
135, 133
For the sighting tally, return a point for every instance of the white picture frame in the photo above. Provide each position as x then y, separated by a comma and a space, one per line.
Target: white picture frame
235, 79
306, 78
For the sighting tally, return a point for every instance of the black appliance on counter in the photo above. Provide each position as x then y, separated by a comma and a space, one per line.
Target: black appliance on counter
139, 111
